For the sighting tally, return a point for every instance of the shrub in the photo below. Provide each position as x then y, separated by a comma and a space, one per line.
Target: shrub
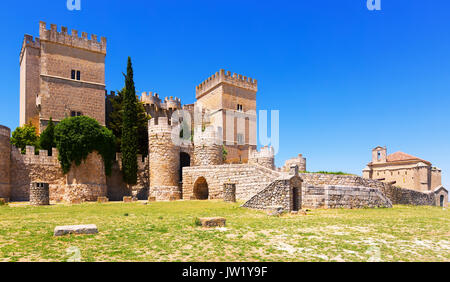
77, 137
25, 136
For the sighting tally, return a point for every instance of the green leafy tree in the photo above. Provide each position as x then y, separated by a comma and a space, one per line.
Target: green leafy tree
25, 136
116, 117
77, 137
129, 129
47, 138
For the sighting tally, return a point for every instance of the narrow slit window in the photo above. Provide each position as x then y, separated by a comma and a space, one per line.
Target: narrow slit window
78, 75
73, 74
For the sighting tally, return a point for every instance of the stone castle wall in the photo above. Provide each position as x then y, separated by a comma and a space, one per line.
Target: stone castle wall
314, 182
117, 189
338, 196
5, 162
282, 192
249, 179
206, 151
87, 181
299, 161
28, 168
265, 157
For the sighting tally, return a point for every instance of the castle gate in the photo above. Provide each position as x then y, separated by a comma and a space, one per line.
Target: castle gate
185, 160
295, 199
201, 191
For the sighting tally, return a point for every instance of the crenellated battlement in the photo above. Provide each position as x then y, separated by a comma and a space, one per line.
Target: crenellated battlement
264, 152
172, 103
29, 41
5, 131
150, 98
265, 157
142, 162
223, 76
73, 39
111, 93
159, 125
31, 158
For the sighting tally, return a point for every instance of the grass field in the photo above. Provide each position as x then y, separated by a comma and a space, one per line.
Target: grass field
165, 231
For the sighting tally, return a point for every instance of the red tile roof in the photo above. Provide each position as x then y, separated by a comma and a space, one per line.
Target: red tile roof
400, 156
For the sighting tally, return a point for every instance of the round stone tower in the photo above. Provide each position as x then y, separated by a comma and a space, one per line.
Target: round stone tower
207, 149
5, 162
265, 157
164, 158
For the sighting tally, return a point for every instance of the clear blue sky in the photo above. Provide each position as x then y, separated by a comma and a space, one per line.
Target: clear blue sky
345, 79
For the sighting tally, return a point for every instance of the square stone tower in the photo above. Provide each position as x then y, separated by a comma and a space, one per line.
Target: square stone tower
230, 100
61, 75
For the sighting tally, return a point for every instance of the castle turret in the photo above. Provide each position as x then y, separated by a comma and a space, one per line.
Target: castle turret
207, 151
151, 99
164, 158
172, 104
265, 157
5, 162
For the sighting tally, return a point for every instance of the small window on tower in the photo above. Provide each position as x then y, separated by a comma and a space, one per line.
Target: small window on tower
379, 155
75, 114
78, 75
73, 74
240, 139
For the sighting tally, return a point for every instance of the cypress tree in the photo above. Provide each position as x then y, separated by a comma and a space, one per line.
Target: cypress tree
47, 138
129, 143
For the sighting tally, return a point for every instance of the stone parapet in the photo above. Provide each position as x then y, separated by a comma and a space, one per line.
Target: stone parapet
73, 39
223, 76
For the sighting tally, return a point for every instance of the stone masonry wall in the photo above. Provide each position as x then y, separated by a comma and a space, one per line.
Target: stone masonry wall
28, 168
5, 162
396, 195
164, 158
333, 196
85, 182
117, 189
249, 179
278, 193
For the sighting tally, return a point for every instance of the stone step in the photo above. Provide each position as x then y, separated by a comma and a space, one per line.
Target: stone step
75, 229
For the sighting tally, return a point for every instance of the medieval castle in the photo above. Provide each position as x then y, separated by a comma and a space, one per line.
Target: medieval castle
63, 75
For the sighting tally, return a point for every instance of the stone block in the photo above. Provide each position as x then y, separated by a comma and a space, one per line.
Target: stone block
127, 199
152, 199
75, 229
102, 199
212, 221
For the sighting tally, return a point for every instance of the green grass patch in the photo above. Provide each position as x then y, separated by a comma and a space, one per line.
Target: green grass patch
168, 231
